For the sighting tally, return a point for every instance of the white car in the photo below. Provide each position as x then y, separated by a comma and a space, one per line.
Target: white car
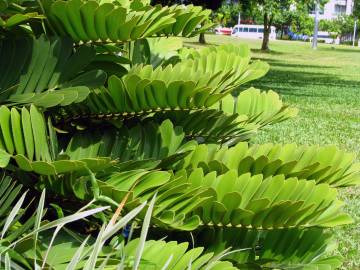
252, 31
326, 37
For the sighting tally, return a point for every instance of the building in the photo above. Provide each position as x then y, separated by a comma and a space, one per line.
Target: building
334, 8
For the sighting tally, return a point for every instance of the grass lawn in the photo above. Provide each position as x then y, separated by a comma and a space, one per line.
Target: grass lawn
325, 86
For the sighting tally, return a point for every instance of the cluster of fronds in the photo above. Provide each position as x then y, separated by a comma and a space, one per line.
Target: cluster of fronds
102, 106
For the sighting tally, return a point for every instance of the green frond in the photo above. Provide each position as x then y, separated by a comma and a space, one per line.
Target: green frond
267, 203
275, 249
261, 108
33, 71
19, 19
9, 193
58, 167
20, 228
157, 51
224, 58
188, 18
140, 142
189, 85
158, 253
324, 164
210, 126
26, 138
241, 49
11, 212
204, 126
299, 249
86, 21
176, 199
103, 109
24, 132
186, 201
222, 68
155, 255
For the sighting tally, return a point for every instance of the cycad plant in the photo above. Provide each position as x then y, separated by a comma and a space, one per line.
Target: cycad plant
104, 108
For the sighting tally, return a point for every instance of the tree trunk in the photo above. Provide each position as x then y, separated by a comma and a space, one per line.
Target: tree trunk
316, 25
202, 38
267, 29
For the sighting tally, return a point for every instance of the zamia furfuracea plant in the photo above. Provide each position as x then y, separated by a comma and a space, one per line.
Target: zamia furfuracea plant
144, 147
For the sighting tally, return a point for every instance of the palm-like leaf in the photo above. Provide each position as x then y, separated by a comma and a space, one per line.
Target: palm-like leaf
15, 234
32, 71
276, 249
322, 164
191, 84
261, 108
210, 126
309, 249
175, 202
24, 133
15, 241
144, 135
187, 200
207, 126
231, 58
269, 203
157, 254
25, 138
141, 142
109, 22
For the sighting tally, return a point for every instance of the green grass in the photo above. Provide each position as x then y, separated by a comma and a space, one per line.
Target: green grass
324, 85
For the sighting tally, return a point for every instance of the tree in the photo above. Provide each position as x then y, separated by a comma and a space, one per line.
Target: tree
296, 19
334, 27
356, 8
269, 11
341, 25
107, 122
276, 12
301, 21
356, 15
229, 13
283, 19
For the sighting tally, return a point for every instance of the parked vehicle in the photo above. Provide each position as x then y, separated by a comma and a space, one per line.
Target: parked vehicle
223, 31
295, 36
252, 31
326, 37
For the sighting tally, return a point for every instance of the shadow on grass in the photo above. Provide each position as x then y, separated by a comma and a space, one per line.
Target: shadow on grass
343, 50
195, 44
269, 52
281, 63
294, 83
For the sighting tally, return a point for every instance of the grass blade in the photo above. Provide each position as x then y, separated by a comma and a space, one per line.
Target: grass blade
71, 218
144, 231
61, 221
77, 256
39, 214
12, 215
91, 262
57, 230
112, 229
